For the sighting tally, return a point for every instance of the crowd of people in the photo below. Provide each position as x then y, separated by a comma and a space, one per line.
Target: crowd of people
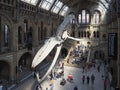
79, 54
58, 72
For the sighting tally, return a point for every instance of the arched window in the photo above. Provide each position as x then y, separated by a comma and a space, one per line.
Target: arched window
52, 30
73, 34
45, 33
29, 35
96, 34
84, 17
19, 35
88, 34
25, 30
42, 24
84, 33
96, 17
79, 34
6, 35
39, 34
73, 20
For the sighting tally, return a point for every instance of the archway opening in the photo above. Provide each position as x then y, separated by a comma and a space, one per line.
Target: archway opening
24, 65
99, 55
4, 71
64, 52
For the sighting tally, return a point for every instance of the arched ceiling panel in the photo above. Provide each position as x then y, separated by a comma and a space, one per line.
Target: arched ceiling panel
72, 3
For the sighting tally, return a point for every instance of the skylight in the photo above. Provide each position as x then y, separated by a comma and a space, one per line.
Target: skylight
57, 7
109, 1
33, 2
64, 10
105, 4
46, 4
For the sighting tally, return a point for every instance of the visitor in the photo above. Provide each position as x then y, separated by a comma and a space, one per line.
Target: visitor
92, 79
83, 79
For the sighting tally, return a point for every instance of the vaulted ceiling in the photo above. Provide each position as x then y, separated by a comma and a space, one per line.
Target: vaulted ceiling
61, 6
103, 4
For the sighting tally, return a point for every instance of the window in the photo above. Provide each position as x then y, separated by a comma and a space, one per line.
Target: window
45, 32
84, 17
105, 3
42, 25
64, 10
25, 30
79, 18
33, 2
19, 35
84, 33
46, 4
73, 34
96, 17
39, 34
79, 34
88, 34
29, 35
57, 7
109, 1
96, 34
73, 20
6, 35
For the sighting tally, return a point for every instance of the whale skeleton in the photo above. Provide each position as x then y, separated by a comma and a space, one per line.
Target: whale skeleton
43, 52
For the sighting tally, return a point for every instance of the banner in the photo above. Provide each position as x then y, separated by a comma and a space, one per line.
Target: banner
112, 45
118, 6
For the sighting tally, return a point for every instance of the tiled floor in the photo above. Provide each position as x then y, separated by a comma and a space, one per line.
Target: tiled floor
77, 76
31, 83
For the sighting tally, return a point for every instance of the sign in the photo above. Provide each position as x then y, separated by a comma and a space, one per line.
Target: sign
112, 45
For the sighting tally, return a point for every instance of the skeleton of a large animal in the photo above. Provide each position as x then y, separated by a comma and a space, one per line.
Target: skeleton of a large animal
61, 35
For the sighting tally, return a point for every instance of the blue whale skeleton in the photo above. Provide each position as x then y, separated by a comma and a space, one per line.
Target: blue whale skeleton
62, 34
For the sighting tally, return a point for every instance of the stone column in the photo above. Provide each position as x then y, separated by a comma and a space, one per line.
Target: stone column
35, 36
118, 58
14, 64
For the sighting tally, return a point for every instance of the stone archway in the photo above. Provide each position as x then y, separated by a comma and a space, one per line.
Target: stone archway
99, 55
4, 71
24, 65
64, 52
25, 60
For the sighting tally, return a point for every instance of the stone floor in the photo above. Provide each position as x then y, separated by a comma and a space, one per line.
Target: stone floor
31, 83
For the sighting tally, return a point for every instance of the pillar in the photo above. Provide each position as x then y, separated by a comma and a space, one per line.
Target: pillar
14, 62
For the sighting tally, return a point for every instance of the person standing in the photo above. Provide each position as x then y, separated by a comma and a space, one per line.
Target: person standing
88, 79
105, 84
83, 69
51, 84
38, 87
83, 79
75, 88
68, 61
20, 68
92, 79
98, 68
